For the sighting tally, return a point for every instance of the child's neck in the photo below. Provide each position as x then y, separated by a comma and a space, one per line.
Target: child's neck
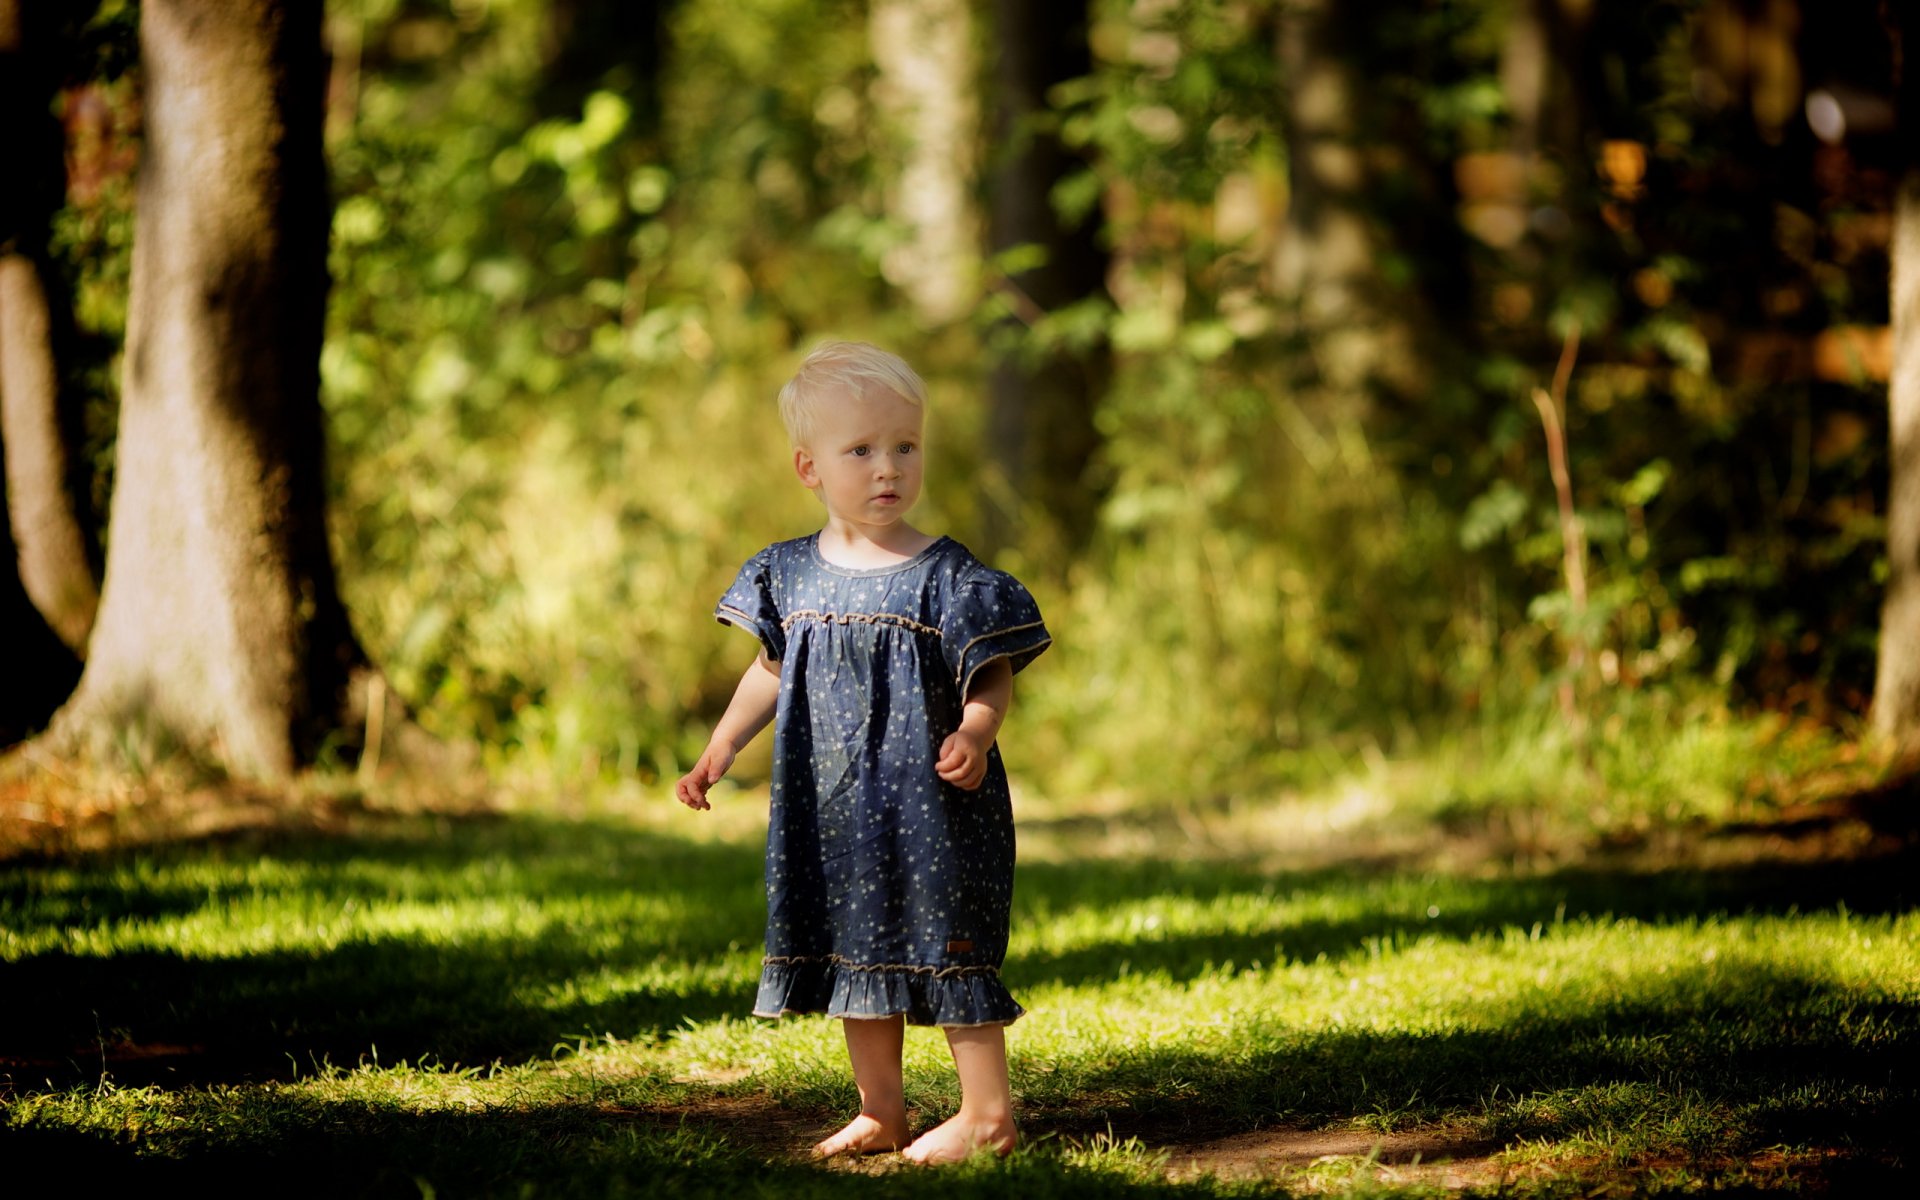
845, 544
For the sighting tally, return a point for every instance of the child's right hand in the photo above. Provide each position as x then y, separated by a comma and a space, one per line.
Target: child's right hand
712, 767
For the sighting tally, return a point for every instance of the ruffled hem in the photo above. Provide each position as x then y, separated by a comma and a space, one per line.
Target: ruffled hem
967, 996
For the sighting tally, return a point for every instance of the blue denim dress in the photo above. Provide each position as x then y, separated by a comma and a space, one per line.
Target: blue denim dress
888, 890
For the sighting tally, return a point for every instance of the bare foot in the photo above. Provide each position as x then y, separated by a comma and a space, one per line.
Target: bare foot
865, 1134
959, 1137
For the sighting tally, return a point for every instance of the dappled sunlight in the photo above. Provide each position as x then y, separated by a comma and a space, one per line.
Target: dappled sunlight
523, 974
1450, 444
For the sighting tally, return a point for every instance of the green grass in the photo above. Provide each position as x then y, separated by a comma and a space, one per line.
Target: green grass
529, 1005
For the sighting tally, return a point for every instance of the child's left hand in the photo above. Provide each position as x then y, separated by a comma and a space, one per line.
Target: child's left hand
963, 760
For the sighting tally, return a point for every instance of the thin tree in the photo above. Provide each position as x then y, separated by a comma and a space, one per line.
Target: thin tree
925, 93
39, 418
1040, 425
220, 625
1327, 263
1896, 695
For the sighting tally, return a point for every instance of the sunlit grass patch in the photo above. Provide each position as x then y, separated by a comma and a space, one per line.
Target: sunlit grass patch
1128, 1158
1638, 760
562, 1002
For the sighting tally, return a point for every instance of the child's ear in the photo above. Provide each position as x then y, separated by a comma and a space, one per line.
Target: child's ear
804, 468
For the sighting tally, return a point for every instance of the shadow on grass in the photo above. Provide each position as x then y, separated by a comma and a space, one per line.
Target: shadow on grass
299, 1146
511, 935
596, 903
1698, 1097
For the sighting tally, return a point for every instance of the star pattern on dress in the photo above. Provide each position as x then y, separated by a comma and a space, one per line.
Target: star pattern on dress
876, 868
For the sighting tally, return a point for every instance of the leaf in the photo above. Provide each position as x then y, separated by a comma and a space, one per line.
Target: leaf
647, 189
1646, 483
1699, 574
1682, 342
1144, 329
1207, 340
1491, 514
1076, 195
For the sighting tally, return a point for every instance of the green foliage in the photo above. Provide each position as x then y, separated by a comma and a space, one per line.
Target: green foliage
531, 327
570, 278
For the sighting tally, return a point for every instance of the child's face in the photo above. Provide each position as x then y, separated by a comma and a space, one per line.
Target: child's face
863, 459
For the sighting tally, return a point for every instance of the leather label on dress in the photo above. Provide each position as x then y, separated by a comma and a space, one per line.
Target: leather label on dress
959, 947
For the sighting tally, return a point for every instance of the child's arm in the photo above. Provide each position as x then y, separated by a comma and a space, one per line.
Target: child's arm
748, 713
963, 756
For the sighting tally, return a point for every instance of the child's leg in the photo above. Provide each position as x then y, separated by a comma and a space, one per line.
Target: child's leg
873, 1044
985, 1119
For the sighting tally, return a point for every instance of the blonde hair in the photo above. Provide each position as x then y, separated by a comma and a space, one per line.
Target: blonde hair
844, 367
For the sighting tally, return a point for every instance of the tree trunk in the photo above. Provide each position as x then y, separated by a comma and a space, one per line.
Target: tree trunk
1896, 691
36, 424
1040, 426
1523, 76
220, 625
39, 424
1326, 266
595, 44
924, 50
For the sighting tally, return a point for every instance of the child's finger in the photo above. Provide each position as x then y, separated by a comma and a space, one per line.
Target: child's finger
960, 768
690, 791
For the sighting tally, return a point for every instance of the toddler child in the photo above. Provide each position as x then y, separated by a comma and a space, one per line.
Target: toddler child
886, 665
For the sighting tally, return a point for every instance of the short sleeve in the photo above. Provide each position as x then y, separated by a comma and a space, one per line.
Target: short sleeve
991, 615
749, 604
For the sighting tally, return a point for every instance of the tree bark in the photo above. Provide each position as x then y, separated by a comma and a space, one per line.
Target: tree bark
1896, 695
1896, 692
39, 418
1040, 427
1523, 76
594, 44
220, 624
43, 501
1326, 266
925, 93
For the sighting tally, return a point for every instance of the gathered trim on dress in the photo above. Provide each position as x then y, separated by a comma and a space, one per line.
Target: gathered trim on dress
833, 986
842, 961
849, 618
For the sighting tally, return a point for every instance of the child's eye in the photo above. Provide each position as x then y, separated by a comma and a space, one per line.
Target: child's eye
862, 451
904, 448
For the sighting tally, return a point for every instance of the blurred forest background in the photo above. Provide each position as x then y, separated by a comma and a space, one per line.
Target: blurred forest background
1254, 331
